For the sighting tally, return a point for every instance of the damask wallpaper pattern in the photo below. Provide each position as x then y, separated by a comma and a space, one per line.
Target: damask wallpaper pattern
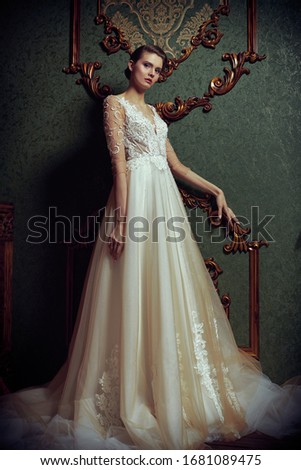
162, 22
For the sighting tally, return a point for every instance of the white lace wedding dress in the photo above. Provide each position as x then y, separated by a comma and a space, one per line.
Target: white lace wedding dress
153, 363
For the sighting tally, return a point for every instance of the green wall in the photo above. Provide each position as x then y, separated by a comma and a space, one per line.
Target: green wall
52, 155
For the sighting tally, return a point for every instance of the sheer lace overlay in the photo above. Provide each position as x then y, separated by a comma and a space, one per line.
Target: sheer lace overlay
178, 168
107, 400
113, 126
208, 372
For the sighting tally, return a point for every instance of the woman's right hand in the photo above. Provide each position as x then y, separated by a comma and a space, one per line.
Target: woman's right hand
117, 240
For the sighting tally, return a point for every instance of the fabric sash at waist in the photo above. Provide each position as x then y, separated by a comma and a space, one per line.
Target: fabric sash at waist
159, 161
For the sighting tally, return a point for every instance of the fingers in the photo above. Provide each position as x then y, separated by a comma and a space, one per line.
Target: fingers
221, 205
118, 250
223, 209
231, 217
115, 247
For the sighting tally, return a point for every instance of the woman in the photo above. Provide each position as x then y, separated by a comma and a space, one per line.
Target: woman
143, 71
153, 363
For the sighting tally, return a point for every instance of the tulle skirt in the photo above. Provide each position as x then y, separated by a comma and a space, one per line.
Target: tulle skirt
153, 362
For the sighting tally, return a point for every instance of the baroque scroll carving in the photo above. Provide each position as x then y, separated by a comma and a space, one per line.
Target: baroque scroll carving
130, 31
121, 34
238, 235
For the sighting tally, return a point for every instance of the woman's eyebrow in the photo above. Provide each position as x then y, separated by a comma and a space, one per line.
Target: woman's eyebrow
150, 63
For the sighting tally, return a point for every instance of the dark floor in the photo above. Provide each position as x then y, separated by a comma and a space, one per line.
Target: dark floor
258, 441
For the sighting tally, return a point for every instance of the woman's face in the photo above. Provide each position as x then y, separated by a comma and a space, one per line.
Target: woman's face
146, 71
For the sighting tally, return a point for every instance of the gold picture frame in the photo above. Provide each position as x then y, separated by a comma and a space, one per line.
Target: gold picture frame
208, 36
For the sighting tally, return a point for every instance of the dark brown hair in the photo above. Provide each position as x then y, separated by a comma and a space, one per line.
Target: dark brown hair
137, 54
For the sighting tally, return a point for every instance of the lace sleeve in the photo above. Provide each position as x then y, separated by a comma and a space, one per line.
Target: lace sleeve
113, 118
177, 168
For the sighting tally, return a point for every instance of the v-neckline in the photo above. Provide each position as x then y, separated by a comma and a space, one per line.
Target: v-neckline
152, 124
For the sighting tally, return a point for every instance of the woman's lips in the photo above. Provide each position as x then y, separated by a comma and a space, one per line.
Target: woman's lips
148, 80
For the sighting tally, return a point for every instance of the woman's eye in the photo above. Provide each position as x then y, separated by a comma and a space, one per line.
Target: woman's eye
146, 65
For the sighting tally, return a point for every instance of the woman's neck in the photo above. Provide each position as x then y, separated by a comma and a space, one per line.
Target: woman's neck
133, 95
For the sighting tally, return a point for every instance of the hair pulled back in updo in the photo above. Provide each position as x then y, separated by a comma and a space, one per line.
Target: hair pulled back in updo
137, 54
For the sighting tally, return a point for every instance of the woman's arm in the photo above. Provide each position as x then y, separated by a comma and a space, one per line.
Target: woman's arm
193, 179
113, 127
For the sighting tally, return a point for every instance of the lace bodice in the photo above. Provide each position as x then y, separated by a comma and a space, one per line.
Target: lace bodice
130, 132
134, 140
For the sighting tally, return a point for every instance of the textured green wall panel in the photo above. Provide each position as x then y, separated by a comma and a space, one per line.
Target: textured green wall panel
52, 154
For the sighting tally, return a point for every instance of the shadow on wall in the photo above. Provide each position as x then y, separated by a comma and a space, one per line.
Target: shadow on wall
298, 242
77, 185
80, 185
78, 188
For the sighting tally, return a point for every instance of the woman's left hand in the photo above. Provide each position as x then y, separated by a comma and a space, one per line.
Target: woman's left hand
224, 209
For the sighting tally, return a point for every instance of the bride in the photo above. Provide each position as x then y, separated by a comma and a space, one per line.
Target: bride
153, 363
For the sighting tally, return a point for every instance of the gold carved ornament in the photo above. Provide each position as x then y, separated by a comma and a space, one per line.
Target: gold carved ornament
208, 35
